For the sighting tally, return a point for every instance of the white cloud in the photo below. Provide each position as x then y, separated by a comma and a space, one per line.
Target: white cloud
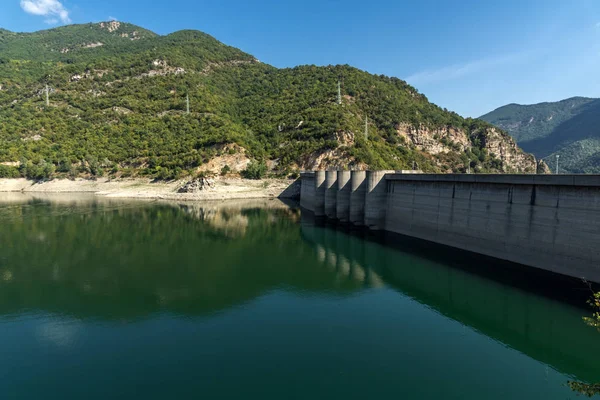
52, 9
456, 71
112, 18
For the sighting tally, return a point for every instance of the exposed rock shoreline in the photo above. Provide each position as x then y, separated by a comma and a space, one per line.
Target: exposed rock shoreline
219, 189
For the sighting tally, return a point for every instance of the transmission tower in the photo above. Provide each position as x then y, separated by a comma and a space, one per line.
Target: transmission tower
339, 95
47, 96
366, 128
187, 103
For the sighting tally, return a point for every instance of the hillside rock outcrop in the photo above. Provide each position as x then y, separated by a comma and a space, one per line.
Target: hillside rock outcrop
503, 147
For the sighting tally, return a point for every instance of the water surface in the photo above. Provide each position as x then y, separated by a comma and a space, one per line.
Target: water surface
146, 300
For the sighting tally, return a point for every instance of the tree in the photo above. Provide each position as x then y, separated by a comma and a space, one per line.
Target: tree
255, 170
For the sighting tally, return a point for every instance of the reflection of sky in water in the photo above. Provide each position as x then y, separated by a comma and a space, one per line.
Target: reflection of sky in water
6, 275
59, 332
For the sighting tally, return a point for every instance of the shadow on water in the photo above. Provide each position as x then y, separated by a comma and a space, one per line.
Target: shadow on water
534, 313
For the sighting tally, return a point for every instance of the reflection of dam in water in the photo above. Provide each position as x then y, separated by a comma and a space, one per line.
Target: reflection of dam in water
544, 329
349, 267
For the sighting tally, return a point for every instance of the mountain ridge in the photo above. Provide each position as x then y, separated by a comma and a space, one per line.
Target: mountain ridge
118, 105
546, 102
568, 128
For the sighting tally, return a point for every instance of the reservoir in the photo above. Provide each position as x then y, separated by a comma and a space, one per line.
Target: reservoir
104, 298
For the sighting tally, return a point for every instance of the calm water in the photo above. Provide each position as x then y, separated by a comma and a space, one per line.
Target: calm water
131, 300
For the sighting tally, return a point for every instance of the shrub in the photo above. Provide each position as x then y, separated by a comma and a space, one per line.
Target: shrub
255, 170
73, 172
127, 173
9, 172
39, 171
93, 164
64, 165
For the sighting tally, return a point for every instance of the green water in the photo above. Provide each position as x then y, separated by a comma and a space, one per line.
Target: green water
144, 300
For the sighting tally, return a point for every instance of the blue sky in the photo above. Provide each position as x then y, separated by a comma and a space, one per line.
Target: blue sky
468, 56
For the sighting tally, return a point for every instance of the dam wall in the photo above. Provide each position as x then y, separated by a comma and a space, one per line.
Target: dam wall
344, 188
550, 222
307, 190
319, 207
376, 199
331, 189
358, 189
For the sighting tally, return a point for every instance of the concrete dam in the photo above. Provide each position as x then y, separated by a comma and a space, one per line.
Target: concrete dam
549, 222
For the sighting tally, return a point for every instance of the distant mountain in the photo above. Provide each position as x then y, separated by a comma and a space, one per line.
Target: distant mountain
569, 128
117, 105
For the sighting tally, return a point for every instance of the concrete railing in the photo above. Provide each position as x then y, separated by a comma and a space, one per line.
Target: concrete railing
550, 222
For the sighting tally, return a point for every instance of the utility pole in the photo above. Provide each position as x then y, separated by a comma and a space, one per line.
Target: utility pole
339, 95
47, 96
557, 158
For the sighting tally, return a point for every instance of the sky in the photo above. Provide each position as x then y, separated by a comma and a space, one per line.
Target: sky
469, 56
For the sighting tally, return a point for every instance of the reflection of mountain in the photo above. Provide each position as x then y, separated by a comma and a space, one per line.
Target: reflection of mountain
103, 258
549, 331
229, 219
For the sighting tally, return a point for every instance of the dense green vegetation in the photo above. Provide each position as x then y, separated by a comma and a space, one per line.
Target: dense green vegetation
568, 128
118, 106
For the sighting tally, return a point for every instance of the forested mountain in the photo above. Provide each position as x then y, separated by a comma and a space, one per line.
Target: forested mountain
117, 105
569, 128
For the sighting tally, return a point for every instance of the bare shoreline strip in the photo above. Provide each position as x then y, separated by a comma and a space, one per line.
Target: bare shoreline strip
224, 189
